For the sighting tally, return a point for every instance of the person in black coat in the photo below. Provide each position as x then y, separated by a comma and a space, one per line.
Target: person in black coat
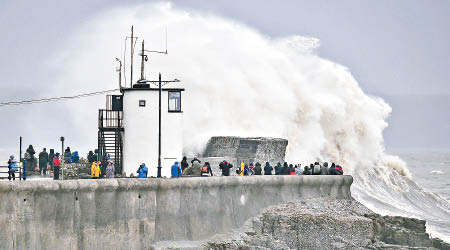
332, 170
307, 171
225, 167
285, 170
43, 161
31, 160
91, 157
257, 169
184, 164
268, 169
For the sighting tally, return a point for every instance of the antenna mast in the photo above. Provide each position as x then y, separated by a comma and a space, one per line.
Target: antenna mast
144, 59
120, 73
132, 52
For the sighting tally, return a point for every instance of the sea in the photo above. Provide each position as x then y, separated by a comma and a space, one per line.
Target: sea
430, 168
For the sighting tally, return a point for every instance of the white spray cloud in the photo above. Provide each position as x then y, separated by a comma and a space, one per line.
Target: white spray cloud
240, 82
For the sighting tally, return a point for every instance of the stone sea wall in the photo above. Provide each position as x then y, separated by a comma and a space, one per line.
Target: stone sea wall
248, 150
137, 213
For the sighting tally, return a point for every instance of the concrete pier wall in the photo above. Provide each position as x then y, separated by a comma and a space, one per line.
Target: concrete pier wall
135, 213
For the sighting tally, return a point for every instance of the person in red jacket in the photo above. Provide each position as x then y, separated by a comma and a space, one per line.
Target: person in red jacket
56, 166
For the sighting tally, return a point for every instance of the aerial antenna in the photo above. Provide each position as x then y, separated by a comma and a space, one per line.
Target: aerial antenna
120, 72
132, 45
145, 57
132, 52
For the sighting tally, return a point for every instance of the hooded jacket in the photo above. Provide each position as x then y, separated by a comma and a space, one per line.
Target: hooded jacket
91, 157
31, 151
12, 163
278, 169
257, 169
332, 170
95, 169
110, 170
324, 169
307, 171
75, 157
242, 169
268, 169
142, 171
316, 168
184, 164
176, 170
339, 170
285, 170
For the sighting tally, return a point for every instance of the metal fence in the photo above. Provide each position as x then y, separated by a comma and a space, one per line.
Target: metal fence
4, 172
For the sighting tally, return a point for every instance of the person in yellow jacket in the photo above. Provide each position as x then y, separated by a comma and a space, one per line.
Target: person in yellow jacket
95, 170
242, 169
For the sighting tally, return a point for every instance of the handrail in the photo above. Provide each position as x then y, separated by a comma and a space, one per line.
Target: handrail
109, 118
19, 170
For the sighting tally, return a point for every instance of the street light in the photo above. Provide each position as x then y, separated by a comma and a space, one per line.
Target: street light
159, 82
62, 156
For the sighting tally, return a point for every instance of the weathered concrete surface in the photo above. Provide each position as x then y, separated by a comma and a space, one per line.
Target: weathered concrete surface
135, 213
248, 150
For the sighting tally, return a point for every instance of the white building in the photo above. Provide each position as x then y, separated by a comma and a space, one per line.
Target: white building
129, 129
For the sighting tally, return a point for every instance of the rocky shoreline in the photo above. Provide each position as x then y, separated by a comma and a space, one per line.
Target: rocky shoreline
320, 223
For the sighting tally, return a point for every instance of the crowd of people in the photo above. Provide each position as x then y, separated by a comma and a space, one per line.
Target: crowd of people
205, 170
52, 162
45, 162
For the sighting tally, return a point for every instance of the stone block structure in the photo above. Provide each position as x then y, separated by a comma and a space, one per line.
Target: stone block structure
250, 149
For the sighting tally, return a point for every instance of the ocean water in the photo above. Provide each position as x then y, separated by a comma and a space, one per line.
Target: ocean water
420, 190
430, 168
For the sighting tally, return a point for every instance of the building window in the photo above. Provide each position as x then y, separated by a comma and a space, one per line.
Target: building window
174, 101
141, 103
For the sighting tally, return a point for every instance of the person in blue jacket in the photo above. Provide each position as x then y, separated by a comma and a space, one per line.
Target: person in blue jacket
176, 170
75, 157
142, 171
12, 168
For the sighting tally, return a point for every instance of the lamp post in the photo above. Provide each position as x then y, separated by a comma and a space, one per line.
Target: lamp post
159, 83
62, 156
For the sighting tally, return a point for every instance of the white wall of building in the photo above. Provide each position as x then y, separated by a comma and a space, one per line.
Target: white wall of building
140, 143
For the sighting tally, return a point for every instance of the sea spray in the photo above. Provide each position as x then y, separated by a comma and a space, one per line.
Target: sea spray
240, 82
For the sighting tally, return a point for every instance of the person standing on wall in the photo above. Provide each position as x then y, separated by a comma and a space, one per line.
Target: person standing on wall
176, 170
95, 170
43, 161
56, 167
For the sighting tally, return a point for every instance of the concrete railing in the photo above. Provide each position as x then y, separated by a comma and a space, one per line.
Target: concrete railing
135, 213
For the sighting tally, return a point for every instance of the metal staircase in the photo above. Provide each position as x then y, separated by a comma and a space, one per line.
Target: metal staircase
110, 133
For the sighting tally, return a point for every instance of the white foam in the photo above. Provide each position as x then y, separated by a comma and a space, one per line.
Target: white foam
240, 82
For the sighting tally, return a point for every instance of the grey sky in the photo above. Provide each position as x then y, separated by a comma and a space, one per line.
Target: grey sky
398, 50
